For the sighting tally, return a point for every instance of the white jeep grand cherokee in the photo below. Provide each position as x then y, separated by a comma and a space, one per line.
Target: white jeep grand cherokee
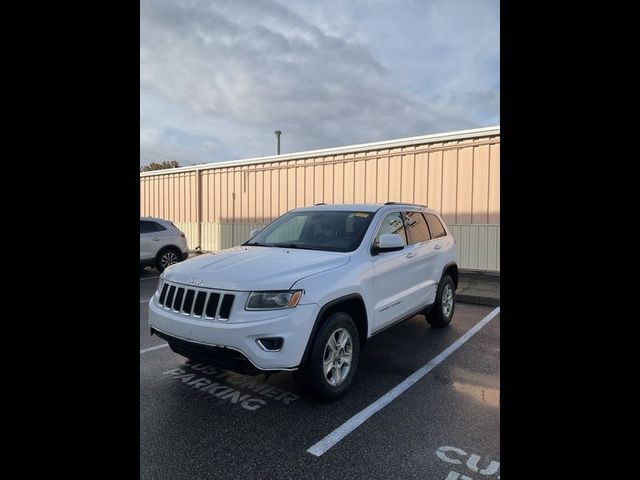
305, 293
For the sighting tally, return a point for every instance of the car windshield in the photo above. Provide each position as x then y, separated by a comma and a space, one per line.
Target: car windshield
330, 230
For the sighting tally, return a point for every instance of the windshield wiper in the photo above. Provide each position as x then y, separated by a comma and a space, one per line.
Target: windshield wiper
296, 245
257, 244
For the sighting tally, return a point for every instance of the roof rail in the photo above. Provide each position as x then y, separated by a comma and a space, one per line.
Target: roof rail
321, 203
406, 203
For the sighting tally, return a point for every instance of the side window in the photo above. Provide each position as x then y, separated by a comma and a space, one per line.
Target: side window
392, 223
437, 230
416, 226
146, 227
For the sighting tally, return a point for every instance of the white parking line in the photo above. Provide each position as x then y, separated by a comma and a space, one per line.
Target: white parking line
354, 422
145, 350
149, 278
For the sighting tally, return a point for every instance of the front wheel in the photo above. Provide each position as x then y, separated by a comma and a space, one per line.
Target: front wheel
333, 360
442, 311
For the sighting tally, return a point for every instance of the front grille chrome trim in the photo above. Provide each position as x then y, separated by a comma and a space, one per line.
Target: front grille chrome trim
211, 295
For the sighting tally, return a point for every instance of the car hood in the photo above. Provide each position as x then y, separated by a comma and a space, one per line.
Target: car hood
254, 268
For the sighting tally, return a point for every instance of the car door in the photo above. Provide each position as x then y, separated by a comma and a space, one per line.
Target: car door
392, 285
149, 239
441, 244
423, 270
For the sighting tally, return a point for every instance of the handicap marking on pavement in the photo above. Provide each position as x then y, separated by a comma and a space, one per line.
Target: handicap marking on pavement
474, 464
251, 393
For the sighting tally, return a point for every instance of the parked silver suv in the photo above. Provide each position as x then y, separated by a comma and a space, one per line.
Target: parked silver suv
161, 243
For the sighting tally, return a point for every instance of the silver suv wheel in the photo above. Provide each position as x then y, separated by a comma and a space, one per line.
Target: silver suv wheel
168, 258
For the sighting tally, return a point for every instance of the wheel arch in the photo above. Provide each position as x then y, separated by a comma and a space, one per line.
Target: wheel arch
168, 247
354, 305
451, 269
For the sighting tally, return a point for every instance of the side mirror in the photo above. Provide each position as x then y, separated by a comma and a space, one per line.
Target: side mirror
254, 232
389, 242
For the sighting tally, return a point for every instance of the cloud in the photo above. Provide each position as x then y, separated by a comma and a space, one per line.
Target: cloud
217, 78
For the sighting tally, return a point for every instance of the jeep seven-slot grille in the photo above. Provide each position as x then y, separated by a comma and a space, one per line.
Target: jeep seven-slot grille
196, 303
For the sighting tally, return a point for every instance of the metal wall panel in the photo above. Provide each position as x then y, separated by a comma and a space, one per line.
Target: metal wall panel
477, 246
190, 230
459, 178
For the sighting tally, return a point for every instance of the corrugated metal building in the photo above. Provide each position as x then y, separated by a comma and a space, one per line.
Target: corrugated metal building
457, 174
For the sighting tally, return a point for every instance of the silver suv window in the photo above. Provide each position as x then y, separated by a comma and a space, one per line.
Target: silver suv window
148, 227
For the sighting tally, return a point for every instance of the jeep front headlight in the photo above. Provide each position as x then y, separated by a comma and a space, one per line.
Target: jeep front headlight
273, 300
160, 283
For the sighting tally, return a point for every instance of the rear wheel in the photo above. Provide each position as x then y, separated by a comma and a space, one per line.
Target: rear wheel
333, 360
167, 257
442, 311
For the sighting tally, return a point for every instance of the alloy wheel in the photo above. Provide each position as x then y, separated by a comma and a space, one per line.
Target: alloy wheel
337, 358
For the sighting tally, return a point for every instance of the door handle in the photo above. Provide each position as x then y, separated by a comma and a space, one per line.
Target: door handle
437, 246
411, 254
156, 239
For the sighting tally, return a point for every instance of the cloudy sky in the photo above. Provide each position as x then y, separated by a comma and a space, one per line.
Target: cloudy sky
217, 77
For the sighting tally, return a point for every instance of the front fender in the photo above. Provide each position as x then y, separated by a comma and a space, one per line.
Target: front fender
349, 279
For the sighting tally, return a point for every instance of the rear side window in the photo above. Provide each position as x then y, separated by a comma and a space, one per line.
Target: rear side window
416, 226
148, 227
392, 223
437, 230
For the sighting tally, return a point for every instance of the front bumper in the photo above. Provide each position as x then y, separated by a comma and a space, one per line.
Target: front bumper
204, 338
220, 356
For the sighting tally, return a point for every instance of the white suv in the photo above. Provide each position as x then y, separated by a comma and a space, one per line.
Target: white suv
161, 243
306, 292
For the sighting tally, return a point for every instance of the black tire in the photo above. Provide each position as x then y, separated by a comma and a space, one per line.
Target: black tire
436, 316
165, 255
310, 377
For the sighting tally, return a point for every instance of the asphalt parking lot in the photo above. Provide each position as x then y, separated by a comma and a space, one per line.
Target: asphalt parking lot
197, 421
